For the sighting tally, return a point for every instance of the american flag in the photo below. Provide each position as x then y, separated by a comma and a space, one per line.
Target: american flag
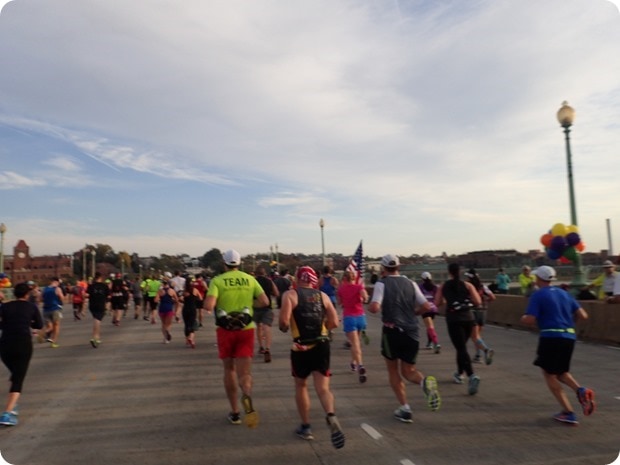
356, 265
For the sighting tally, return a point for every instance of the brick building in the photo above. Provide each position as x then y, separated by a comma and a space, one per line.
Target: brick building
21, 266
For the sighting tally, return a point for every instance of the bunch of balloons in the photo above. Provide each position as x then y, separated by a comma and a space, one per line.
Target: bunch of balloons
563, 242
5, 281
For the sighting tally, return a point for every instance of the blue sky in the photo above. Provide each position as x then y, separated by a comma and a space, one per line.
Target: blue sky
417, 126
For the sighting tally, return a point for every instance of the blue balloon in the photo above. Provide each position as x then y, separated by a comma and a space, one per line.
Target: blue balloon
558, 244
573, 238
553, 254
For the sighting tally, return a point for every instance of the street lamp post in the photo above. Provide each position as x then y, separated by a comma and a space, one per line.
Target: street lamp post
322, 225
566, 116
277, 258
84, 250
2, 231
93, 252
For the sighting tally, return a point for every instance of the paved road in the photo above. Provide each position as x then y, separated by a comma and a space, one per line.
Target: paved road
135, 400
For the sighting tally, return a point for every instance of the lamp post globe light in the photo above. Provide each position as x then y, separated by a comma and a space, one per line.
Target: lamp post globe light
322, 225
566, 116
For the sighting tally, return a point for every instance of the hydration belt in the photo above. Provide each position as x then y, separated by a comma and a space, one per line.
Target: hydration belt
568, 330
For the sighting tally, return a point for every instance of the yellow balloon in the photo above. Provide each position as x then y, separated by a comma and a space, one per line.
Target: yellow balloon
559, 229
572, 228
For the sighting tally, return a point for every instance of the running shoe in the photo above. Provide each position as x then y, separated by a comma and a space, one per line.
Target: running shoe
8, 419
403, 415
431, 392
477, 359
437, 348
94, 343
362, 374
353, 367
168, 336
566, 417
347, 345
53, 345
267, 356
145, 318
365, 338
15, 410
586, 399
474, 383
261, 350
429, 345
304, 432
457, 378
251, 415
488, 356
337, 434
234, 418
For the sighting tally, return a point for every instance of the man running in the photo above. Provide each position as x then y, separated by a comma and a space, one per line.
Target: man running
554, 311
310, 315
233, 295
397, 297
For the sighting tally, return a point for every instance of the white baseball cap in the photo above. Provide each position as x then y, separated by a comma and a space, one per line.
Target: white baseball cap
390, 261
546, 273
232, 258
608, 264
426, 275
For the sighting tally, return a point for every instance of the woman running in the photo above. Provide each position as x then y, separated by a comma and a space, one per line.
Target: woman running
191, 296
429, 289
17, 319
351, 296
166, 298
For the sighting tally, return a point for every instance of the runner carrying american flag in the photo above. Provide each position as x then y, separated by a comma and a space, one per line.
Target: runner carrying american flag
356, 265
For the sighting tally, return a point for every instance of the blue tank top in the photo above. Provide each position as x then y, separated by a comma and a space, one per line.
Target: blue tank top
166, 304
51, 301
328, 288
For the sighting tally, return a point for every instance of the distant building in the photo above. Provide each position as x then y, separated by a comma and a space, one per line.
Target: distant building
21, 266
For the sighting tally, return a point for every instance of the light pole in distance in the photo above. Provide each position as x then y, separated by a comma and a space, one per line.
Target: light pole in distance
2, 231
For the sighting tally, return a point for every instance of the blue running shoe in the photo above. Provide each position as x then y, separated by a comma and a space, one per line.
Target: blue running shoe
474, 382
304, 432
403, 415
8, 419
488, 356
566, 417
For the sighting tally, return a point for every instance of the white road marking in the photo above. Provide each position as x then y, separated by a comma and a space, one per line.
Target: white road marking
373, 433
407, 462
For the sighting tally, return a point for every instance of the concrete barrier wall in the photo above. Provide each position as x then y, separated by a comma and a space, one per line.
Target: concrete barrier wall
603, 324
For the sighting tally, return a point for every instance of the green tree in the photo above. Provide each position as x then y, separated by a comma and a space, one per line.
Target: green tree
212, 260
